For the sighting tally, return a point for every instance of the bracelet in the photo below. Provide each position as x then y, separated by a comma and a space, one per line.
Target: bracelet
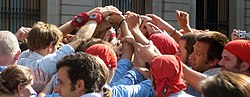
120, 23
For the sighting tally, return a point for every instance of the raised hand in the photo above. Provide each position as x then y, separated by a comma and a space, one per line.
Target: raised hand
40, 79
116, 19
22, 33
159, 22
133, 20
151, 29
183, 18
106, 11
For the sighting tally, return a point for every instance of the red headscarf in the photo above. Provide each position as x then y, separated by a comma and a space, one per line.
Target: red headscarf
239, 48
105, 53
167, 72
165, 43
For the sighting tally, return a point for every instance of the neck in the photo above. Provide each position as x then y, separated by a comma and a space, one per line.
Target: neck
42, 52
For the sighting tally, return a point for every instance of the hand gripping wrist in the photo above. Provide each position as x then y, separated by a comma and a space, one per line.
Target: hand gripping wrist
96, 17
80, 19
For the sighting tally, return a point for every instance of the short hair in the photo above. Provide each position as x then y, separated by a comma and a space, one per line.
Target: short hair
83, 66
9, 43
13, 75
42, 35
226, 84
216, 42
92, 41
190, 41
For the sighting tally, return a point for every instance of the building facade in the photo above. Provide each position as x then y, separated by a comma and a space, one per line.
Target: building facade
220, 15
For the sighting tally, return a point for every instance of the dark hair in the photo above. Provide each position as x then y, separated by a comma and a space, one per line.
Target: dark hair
216, 42
226, 84
42, 35
92, 41
190, 41
13, 75
83, 66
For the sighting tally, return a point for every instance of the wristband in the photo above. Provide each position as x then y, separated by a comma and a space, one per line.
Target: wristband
80, 19
96, 17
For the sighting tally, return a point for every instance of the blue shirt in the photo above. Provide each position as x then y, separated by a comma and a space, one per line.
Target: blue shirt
46, 63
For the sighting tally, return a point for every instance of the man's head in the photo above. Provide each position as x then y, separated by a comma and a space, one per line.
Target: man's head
80, 73
44, 36
226, 84
166, 71
186, 46
107, 55
207, 51
235, 57
9, 48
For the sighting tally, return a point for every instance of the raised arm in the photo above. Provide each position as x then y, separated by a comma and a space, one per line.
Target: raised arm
193, 77
183, 20
163, 25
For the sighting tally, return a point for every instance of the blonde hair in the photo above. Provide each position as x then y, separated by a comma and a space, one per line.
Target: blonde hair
226, 84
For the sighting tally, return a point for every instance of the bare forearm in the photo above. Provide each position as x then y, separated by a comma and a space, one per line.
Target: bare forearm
139, 37
192, 77
187, 29
83, 34
127, 48
66, 28
87, 30
176, 35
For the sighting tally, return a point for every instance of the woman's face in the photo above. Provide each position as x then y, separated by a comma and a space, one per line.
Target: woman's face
28, 91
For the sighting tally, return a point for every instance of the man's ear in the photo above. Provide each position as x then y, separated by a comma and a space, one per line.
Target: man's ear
80, 86
20, 88
244, 66
17, 55
50, 48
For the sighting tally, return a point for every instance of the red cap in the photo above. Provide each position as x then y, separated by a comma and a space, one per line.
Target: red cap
165, 43
239, 48
105, 53
167, 73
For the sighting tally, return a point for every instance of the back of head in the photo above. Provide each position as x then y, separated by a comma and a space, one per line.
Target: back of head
167, 74
83, 66
226, 84
42, 35
216, 42
8, 46
165, 43
239, 48
92, 41
13, 75
105, 53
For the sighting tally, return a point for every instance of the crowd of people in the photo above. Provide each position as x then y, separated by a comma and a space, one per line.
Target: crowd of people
107, 53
